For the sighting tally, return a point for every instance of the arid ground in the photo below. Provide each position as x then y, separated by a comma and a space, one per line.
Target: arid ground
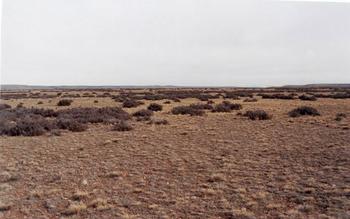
212, 165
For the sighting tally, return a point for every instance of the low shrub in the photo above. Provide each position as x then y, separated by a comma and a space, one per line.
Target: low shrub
257, 115
40, 102
143, 115
159, 122
155, 107
122, 126
105, 115
307, 98
340, 116
20, 105
64, 102
27, 126
71, 125
4, 106
131, 103
250, 100
201, 106
187, 110
303, 111
226, 106
277, 96
167, 102
210, 102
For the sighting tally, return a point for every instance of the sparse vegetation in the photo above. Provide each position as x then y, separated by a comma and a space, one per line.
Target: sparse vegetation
304, 111
155, 107
226, 106
122, 126
143, 115
307, 98
4, 106
131, 103
65, 102
257, 115
340, 116
183, 110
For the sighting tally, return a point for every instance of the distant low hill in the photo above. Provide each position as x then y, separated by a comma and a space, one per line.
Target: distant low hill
36, 87
318, 86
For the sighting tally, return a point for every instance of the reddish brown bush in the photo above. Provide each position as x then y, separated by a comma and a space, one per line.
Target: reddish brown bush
201, 106
122, 126
257, 115
155, 107
250, 100
64, 102
226, 106
71, 125
4, 106
183, 110
340, 116
304, 111
307, 98
143, 115
130, 103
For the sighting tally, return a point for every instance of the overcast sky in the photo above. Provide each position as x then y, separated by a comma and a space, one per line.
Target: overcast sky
168, 42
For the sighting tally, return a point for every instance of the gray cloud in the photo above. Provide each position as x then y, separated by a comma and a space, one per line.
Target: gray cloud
185, 42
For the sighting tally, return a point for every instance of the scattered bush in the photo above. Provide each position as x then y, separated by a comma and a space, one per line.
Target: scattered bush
303, 111
122, 126
4, 106
27, 126
20, 105
210, 102
130, 103
277, 96
71, 125
307, 98
143, 114
250, 100
201, 106
183, 110
226, 106
40, 102
105, 115
95, 101
64, 102
340, 116
35, 121
159, 122
167, 102
155, 107
257, 115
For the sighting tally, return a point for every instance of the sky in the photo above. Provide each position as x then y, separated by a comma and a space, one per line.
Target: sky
167, 42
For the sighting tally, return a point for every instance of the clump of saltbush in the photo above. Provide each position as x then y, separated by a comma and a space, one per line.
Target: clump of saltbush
307, 97
143, 115
71, 125
201, 106
155, 107
226, 106
303, 111
250, 100
257, 115
64, 102
340, 116
122, 126
131, 103
187, 110
159, 122
4, 106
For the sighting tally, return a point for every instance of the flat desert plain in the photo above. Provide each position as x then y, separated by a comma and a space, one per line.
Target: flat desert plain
205, 164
